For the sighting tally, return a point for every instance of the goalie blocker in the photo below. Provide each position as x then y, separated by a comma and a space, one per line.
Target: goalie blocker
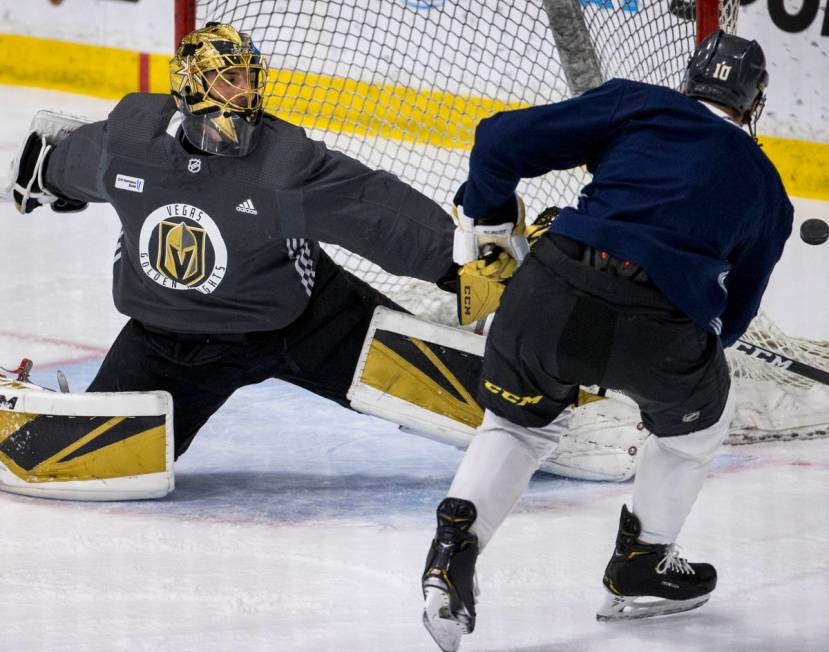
424, 376
85, 446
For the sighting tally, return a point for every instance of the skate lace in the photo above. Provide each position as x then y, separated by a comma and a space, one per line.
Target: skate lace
673, 562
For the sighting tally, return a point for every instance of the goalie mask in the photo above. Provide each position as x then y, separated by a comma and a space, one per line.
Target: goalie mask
217, 78
731, 71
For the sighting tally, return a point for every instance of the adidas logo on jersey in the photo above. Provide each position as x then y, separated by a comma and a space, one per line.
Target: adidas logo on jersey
247, 207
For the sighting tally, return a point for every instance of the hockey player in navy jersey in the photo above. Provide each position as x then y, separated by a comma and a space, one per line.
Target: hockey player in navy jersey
222, 207
638, 288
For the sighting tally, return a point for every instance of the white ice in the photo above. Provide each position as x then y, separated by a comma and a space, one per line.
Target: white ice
299, 526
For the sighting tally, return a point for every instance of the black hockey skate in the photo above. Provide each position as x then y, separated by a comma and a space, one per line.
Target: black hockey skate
449, 577
647, 580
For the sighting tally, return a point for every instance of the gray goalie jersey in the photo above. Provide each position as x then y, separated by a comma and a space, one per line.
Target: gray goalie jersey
215, 244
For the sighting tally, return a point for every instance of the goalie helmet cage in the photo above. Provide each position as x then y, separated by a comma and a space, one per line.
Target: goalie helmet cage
401, 84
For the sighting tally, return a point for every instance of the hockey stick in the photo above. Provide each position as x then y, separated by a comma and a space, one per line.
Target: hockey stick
779, 361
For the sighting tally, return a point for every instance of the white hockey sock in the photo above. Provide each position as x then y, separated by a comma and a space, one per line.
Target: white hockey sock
497, 468
670, 475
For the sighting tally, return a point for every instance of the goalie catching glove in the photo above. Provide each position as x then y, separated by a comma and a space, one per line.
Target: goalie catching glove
29, 190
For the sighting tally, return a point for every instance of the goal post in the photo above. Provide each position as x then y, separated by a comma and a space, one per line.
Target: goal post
184, 20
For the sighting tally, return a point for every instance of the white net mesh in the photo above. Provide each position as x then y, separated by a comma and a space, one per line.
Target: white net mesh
401, 84
774, 399
402, 88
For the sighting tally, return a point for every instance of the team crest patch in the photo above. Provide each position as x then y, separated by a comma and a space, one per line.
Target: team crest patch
181, 248
194, 165
181, 251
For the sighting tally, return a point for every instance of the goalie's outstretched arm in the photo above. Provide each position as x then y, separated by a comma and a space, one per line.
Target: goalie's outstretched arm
76, 166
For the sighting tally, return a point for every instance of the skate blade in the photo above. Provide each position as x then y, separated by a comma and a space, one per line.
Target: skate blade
617, 607
445, 628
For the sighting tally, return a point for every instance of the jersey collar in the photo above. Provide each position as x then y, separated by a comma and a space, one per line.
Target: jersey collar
718, 111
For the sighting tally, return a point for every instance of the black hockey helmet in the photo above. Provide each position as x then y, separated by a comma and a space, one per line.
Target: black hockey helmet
728, 70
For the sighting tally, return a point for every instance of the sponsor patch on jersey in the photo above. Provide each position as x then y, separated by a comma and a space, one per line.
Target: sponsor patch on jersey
124, 182
181, 248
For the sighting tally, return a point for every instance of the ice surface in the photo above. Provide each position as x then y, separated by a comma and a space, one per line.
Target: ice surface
299, 526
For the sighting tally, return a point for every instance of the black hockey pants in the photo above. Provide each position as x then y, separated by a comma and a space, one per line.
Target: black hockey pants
563, 323
318, 351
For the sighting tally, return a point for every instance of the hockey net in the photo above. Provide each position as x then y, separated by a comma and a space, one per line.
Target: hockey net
401, 85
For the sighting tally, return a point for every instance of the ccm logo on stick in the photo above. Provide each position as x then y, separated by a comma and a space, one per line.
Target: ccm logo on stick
762, 354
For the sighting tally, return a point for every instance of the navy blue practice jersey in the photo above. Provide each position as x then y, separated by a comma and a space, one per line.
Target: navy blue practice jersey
676, 188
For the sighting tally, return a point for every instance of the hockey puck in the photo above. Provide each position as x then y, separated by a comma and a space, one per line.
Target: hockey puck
814, 231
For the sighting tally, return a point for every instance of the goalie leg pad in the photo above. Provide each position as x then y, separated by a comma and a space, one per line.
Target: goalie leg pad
424, 376
103, 446
420, 375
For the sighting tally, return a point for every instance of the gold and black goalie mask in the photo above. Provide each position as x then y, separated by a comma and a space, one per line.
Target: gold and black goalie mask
218, 79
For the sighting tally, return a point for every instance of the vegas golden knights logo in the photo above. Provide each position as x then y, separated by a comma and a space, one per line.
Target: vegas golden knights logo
181, 248
181, 252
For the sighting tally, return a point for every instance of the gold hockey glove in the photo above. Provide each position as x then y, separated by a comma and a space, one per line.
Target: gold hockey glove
481, 284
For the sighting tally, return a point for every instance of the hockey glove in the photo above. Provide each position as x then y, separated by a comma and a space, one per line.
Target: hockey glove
481, 284
471, 237
541, 225
28, 171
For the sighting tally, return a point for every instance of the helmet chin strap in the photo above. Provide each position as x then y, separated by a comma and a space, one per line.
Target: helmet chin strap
753, 115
